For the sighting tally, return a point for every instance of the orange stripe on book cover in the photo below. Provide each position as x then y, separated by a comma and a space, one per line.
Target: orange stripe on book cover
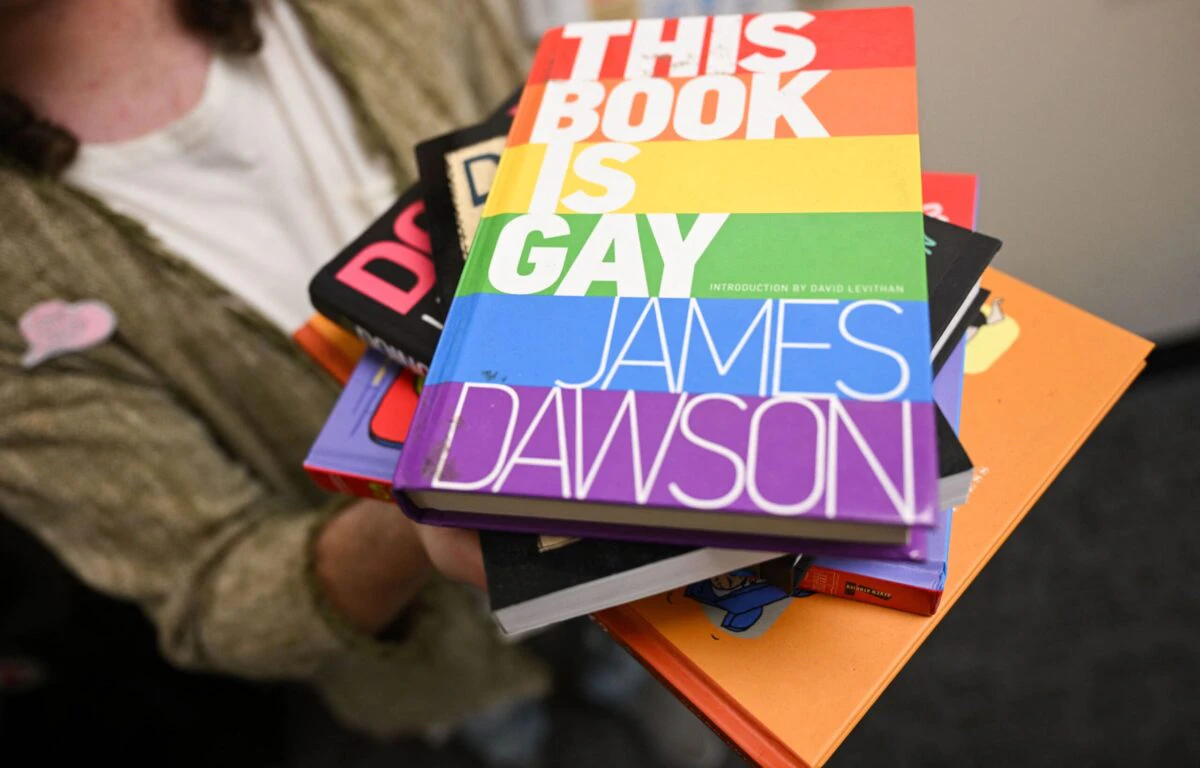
787, 41
852, 102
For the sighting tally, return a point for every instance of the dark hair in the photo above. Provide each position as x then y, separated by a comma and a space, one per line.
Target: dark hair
44, 147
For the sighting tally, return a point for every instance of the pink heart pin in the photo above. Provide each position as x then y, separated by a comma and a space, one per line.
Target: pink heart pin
54, 328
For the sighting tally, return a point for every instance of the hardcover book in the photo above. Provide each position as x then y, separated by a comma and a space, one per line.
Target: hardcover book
338, 351
695, 308
842, 654
536, 580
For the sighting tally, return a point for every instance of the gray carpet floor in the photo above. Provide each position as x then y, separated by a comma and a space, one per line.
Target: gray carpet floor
1079, 644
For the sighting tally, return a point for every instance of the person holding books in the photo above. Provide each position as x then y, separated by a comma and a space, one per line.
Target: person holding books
155, 172
172, 172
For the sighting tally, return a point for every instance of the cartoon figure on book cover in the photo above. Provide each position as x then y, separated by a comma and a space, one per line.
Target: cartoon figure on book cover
740, 603
991, 334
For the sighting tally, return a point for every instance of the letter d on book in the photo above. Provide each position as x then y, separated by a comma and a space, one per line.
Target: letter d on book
401, 300
446, 476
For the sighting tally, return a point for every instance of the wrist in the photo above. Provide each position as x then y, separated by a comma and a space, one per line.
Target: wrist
369, 564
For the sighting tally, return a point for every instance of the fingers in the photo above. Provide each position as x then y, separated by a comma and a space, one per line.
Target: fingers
455, 553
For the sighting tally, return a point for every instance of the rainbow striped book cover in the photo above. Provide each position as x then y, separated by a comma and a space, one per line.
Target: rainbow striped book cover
695, 309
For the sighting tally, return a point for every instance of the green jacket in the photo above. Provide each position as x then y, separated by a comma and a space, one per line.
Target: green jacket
165, 465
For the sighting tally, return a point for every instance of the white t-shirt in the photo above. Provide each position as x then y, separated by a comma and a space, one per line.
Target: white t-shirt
261, 183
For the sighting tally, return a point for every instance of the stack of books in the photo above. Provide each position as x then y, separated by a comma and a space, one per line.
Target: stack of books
682, 326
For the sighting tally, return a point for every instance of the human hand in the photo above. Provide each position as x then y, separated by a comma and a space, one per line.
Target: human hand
371, 561
454, 552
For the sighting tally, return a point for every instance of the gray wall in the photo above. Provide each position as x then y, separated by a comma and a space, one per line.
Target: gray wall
1082, 118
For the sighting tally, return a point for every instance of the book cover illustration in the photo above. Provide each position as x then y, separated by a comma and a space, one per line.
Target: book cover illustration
766, 352
357, 449
381, 286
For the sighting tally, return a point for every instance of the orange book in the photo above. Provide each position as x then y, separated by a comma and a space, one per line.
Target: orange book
333, 348
1040, 374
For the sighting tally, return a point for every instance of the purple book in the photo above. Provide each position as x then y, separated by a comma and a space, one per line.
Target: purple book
720, 338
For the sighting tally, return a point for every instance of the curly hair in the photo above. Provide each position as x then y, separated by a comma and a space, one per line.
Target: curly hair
47, 148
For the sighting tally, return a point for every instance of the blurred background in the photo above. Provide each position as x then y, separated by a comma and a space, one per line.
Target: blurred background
1078, 643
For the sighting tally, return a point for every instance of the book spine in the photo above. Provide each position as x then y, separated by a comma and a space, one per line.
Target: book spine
434, 408
337, 356
350, 485
422, 450
864, 589
404, 357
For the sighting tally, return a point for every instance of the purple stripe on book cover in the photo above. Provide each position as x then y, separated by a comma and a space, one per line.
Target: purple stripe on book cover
931, 574
814, 456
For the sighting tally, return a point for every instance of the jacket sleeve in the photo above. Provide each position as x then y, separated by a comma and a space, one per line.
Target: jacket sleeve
135, 496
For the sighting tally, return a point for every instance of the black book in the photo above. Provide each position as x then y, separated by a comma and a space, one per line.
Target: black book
970, 318
534, 581
954, 263
381, 286
457, 170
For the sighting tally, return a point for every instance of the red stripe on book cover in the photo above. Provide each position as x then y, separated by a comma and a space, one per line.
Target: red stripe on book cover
350, 485
864, 589
843, 39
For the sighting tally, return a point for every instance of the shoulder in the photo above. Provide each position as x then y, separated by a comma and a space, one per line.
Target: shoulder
48, 233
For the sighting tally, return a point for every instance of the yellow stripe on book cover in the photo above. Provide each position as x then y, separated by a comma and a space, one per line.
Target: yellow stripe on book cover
827, 175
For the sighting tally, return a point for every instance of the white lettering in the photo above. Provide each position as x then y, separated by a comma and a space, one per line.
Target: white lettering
619, 186
804, 505
781, 345
617, 232
680, 254
553, 397
902, 384
723, 366
739, 468
438, 481
573, 100
723, 45
730, 93
547, 261
684, 51
777, 31
663, 362
769, 102
593, 40
656, 95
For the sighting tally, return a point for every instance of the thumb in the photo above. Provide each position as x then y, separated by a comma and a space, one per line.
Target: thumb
455, 553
